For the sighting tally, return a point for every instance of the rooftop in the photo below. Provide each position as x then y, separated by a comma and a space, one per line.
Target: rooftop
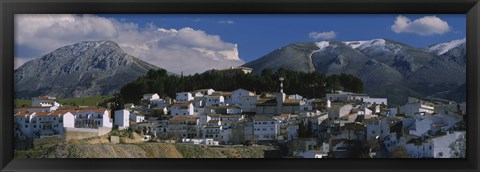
184, 118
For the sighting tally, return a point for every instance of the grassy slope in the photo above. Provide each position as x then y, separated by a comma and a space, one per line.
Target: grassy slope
82, 101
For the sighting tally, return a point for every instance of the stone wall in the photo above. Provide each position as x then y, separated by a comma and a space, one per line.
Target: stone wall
82, 133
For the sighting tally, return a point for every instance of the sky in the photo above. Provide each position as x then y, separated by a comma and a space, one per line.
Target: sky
193, 43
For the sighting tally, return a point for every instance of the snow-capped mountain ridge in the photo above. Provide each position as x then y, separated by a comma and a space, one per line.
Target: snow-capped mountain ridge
383, 65
442, 48
366, 43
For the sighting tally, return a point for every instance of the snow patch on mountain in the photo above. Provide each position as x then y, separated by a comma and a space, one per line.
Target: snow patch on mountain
365, 44
322, 45
442, 48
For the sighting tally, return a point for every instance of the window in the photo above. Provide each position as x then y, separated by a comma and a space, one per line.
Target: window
272, 122
34, 126
26, 126
39, 119
440, 154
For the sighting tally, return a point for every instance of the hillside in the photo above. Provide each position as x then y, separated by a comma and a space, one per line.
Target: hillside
142, 150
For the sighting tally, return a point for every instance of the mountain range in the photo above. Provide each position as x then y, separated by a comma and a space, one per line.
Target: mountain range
388, 68
84, 69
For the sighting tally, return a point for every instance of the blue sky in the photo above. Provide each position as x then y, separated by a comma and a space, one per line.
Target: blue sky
198, 42
257, 35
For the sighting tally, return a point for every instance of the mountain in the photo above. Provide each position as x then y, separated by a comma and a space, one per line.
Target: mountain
388, 68
84, 69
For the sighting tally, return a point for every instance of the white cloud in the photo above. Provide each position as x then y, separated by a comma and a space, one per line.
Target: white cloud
322, 35
226, 22
176, 50
428, 25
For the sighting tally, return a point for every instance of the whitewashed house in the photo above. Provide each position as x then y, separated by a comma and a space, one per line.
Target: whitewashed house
437, 147
183, 97
335, 112
122, 119
265, 128
342, 96
238, 94
248, 103
292, 132
205, 92
45, 101
214, 100
377, 128
137, 117
416, 107
151, 97
92, 118
420, 127
33, 125
182, 109
213, 132
183, 127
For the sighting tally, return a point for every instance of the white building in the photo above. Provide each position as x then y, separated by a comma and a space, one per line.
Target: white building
377, 128
420, 126
151, 97
45, 101
292, 132
183, 97
214, 100
238, 94
438, 147
136, 117
122, 119
336, 112
248, 103
416, 107
342, 96
205, 92
33, 125
265, 128
92, 118
182, 109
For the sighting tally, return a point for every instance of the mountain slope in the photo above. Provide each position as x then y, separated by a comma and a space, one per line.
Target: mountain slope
293, 57
385, 66
84, 69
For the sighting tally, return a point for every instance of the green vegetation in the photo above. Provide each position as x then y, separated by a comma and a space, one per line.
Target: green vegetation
308, 85
79, 101
84, 101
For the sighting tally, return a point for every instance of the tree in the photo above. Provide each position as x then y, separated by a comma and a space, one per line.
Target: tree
458, 148
400, 152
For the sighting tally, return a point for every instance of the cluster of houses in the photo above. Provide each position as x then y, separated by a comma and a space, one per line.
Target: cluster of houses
342, 124
46, 118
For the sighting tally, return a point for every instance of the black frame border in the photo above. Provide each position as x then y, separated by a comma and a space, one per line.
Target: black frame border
10, 7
